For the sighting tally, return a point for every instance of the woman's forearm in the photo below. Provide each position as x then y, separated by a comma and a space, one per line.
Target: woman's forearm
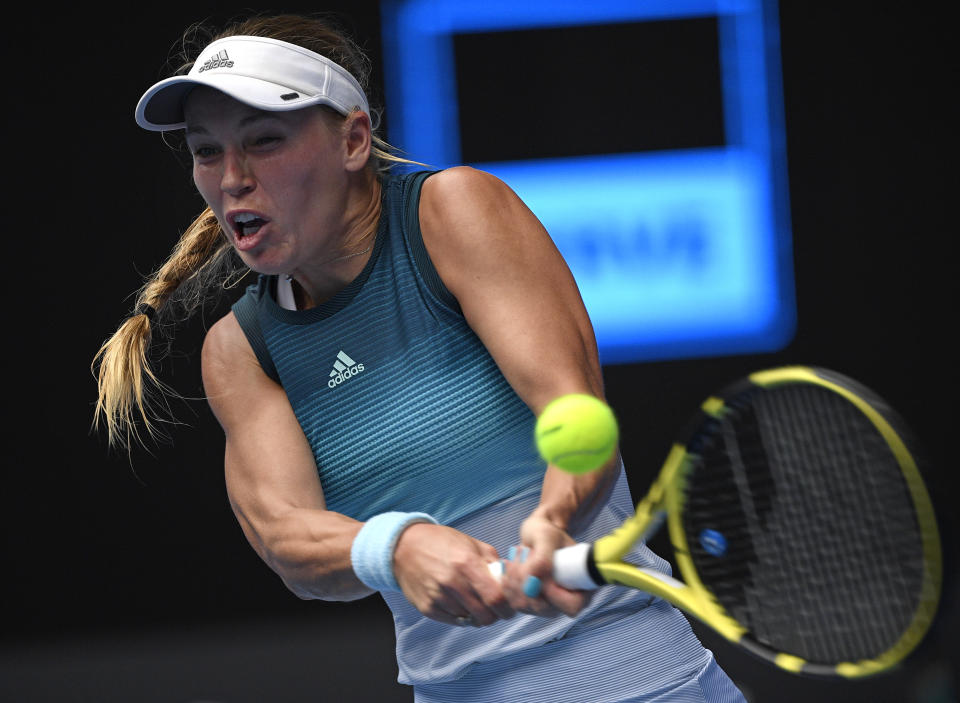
568, 500
310, 550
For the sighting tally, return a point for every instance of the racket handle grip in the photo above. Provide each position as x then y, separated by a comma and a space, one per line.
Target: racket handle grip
570, 568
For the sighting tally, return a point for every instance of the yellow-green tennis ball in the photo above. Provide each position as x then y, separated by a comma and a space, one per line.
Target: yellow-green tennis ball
577, 433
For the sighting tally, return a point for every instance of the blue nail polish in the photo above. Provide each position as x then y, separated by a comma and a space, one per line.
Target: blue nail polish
523, 554
531, 587
511, 553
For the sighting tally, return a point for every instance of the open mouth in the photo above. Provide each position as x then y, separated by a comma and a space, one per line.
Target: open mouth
246, 223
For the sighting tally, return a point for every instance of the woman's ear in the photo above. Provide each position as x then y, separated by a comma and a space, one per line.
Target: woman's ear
357, 133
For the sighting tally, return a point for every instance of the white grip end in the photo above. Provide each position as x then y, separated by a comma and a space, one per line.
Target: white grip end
570, 568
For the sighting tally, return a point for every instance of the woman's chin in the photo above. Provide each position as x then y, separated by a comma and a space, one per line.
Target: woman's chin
264, 264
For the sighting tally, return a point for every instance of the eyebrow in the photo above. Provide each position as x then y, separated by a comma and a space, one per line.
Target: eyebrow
249, 119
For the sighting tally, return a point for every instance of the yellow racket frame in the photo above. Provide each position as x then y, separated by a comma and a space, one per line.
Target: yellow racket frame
665, 498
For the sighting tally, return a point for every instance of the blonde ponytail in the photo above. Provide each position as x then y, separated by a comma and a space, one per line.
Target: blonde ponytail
130, 393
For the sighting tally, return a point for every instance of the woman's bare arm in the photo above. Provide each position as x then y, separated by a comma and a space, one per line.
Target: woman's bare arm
520, 298
271, 476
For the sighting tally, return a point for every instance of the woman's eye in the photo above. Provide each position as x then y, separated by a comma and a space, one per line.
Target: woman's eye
204, 152
265, 141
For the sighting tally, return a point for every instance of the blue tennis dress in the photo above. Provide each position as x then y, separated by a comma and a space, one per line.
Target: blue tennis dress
404, 409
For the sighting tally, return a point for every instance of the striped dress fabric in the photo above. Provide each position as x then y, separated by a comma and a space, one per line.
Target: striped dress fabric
404, 409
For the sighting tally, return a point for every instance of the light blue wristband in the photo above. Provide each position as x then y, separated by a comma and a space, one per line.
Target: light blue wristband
372, 551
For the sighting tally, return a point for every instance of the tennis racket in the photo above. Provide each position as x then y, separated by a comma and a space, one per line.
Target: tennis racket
800, 524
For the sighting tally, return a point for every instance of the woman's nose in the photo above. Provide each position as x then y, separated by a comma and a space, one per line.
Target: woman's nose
236, 178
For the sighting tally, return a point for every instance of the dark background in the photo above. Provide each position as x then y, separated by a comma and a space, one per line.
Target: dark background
129, 580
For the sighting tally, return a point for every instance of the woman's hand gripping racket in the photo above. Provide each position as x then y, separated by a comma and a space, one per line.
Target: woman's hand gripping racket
800, 524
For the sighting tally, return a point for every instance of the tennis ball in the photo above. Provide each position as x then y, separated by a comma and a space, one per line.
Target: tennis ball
577, 433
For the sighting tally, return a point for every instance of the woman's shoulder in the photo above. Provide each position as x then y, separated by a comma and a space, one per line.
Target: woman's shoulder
462, 185
458, 199
224, 345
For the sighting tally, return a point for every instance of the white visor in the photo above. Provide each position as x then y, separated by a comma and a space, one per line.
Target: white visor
264, 73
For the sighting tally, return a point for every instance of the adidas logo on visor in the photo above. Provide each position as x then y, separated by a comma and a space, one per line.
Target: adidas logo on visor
221, 60
343, 368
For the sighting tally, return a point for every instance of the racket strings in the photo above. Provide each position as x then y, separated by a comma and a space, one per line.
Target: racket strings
842, 536
827, 583
794, 541
823, 543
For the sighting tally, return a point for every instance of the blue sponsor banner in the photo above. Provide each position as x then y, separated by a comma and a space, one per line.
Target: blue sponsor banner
677, 253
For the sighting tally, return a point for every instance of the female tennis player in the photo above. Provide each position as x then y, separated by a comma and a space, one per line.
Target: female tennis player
379, 383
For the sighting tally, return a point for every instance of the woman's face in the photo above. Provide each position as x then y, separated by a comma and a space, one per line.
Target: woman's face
276, 181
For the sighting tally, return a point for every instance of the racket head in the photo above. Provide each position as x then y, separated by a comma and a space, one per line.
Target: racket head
799, 512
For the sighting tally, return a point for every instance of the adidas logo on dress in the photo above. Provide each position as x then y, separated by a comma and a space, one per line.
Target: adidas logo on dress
221, 60
343, 368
